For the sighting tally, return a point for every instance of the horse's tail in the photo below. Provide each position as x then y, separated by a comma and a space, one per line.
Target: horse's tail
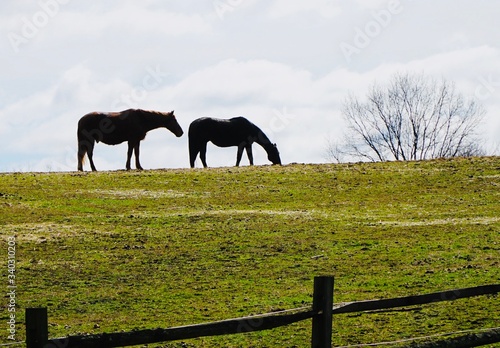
84, 142
81, 161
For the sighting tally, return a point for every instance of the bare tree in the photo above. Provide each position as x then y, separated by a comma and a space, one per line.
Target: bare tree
413, 118
334, 151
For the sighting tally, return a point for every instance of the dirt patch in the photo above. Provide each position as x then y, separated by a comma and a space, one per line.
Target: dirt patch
254, 212
138, 193
449, 221
39, 232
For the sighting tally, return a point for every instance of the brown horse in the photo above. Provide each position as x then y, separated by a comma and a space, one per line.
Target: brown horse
116, 127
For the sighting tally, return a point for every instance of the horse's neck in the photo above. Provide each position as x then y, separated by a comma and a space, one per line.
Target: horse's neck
263, 140
154, 120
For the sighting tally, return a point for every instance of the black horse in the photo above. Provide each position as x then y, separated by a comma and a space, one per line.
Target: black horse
113, 128
237, 131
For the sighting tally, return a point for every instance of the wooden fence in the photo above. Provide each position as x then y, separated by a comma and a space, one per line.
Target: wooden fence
321, 314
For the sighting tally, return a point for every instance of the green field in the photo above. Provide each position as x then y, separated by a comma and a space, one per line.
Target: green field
113, 251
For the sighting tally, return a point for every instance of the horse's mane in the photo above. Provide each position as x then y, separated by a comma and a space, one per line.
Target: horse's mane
154, 112
262, 138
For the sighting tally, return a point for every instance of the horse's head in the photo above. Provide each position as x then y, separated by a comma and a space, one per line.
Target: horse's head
172, 124
273, 154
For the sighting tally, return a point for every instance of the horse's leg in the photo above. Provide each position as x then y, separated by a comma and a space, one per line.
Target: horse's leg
129, 154
192, 157
203, 155
90, 154
239, 154
193, 152
136, 150
249, 153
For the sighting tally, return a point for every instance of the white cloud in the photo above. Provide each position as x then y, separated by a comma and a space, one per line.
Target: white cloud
235, 82
324, 8
373, 4
128, 18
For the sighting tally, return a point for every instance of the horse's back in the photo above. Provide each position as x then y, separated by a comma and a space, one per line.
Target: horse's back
112, 128
204, 126
90, 120
221, 132
97, 116
210, 123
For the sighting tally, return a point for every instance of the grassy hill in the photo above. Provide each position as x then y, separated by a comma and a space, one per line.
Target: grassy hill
113, 251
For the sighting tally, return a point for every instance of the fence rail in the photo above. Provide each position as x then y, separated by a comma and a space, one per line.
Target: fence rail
451, 295
224, 327
321, 314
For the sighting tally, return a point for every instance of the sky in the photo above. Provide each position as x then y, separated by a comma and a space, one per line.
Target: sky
286, 65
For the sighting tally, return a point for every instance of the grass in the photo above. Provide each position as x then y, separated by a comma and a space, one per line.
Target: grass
112, 251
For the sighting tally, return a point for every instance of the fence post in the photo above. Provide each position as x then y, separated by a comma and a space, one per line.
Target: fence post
322, 304
37, 331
